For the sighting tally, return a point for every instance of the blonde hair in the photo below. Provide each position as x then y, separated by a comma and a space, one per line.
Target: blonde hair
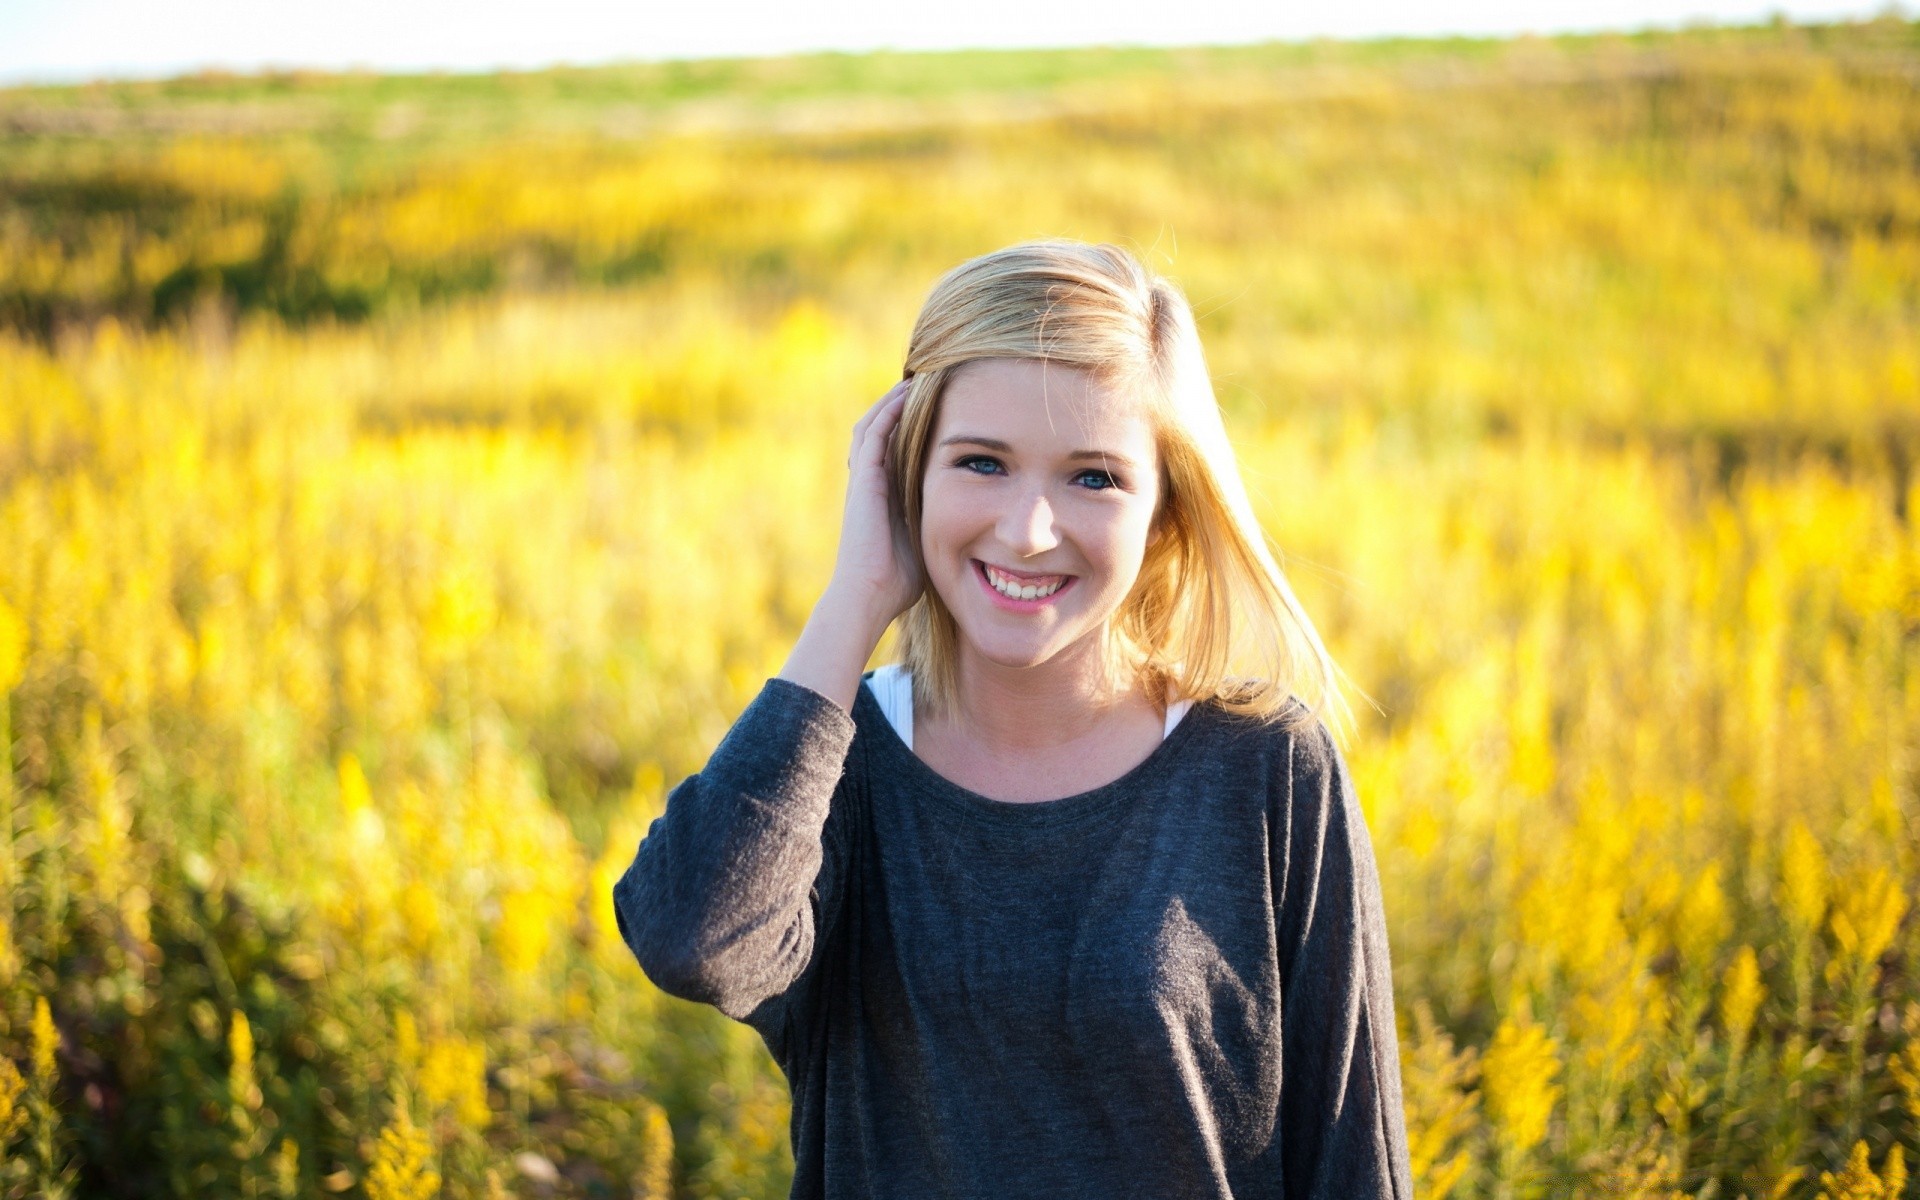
1210, 598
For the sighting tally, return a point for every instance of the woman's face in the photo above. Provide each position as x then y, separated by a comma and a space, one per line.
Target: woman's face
1039, 497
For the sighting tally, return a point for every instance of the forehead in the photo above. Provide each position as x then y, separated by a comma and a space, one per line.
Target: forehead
1032, 401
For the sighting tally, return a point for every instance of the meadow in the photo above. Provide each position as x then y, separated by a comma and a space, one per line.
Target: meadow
404, 481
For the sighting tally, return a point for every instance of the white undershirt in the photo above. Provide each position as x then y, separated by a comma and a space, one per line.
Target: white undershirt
893, 688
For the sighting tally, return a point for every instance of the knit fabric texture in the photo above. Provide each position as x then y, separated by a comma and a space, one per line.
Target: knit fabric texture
1173, 985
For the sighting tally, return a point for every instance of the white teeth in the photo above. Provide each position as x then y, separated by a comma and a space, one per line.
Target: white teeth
1016, 591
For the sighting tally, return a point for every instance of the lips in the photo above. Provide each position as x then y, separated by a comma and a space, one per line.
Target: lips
1020, 588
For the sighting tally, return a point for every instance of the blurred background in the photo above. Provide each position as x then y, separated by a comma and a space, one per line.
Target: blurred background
406, 477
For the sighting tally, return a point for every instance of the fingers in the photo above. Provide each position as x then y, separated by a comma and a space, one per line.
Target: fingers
887, 397
878, 420
872, 447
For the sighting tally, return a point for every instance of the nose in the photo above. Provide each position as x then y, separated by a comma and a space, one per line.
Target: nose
1026, 527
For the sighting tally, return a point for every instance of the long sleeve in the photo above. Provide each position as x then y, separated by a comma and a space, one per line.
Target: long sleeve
719, 904
1341, 1108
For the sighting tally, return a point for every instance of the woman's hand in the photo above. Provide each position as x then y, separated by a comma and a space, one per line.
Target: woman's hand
877, 575
878, 572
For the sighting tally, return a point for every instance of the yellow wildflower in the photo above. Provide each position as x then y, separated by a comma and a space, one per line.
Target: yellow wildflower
46, 1039
1803, 879
355, 795
356, 798
286, 1169
654, 1178
1857, 1180
1440, 1104
1740, 995
242, 1087
9, 953
240, 1081
13, 646
1906, 1064
402, 1162
461, 610
1702, 919
420, 916
1609, 1022
1637, 1170
455, 1075
12, 1114
1867, 915
1518, 1082
526, 927
406, 1040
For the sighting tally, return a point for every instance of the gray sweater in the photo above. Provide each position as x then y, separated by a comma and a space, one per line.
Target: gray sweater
1174, 985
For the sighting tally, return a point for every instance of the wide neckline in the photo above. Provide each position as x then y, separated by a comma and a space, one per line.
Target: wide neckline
1025, 813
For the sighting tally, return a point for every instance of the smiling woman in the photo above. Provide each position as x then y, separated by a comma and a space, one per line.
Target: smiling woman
1037, 505
1082, 356
1104, 919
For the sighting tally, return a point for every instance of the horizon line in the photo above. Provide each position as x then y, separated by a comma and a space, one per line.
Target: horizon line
269, 69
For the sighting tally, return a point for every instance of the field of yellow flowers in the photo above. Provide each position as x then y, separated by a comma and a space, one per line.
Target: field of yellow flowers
403, 482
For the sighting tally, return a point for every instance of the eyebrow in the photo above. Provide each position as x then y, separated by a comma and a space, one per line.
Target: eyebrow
996, 444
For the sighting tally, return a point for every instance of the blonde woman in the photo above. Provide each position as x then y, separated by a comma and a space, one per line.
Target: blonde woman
1075, 899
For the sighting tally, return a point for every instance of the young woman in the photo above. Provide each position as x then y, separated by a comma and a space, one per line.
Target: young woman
1055, 906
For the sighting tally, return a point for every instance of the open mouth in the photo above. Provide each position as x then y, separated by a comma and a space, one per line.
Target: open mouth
1022, 590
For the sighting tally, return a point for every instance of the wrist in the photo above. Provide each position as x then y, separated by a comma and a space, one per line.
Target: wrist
856, 611
834, 647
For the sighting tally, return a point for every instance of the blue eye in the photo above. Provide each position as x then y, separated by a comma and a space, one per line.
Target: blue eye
980, 464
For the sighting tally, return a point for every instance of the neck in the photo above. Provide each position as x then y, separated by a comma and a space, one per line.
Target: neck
1038, 708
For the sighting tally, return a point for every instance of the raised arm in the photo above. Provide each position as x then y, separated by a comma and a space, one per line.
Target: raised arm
716, 905
1341, 1109
723, 901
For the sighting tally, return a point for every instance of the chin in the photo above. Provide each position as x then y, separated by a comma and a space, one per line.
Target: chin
1014, 659
1019, 653
1004, 651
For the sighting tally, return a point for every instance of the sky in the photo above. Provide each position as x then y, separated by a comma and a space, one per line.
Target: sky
73, 40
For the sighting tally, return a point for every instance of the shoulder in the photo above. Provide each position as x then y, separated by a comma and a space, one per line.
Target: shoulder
1292, 750
1246, 739
1256, 725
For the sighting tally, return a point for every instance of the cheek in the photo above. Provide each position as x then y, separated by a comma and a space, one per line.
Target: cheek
1122, 545
939, 516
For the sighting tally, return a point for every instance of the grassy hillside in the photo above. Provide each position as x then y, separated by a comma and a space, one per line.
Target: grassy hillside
408, 479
